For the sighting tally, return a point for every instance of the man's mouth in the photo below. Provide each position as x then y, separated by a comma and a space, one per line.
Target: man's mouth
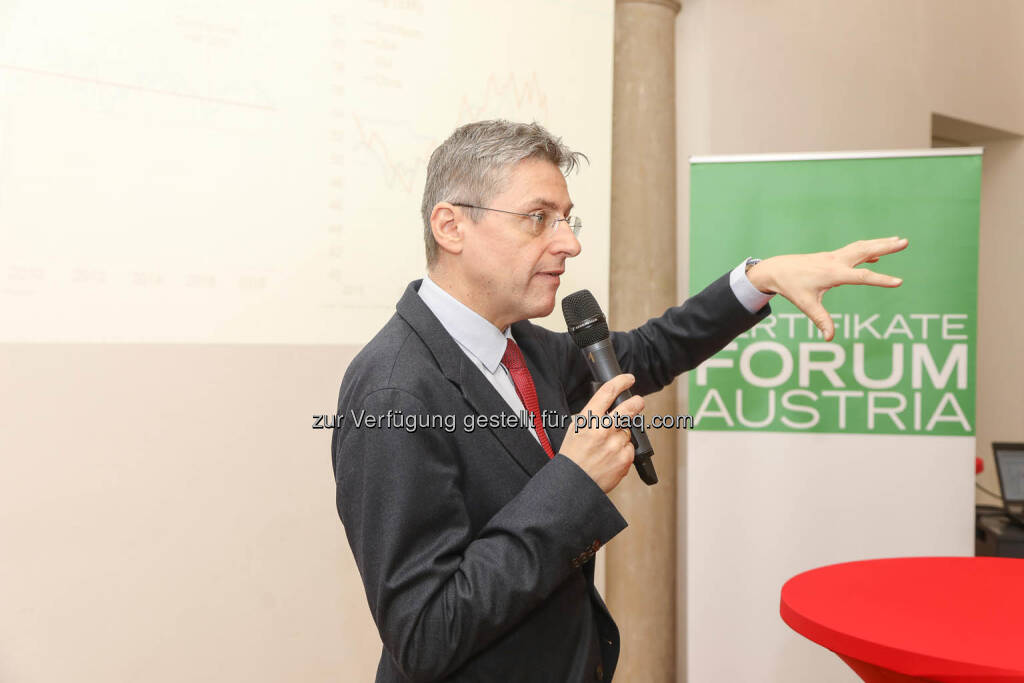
551, 274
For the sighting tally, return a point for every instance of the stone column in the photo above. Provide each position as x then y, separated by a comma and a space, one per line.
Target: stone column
641, 562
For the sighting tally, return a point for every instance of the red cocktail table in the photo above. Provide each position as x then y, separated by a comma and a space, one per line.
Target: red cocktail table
945, 619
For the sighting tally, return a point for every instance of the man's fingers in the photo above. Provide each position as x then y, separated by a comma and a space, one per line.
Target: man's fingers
602, 400
863, 276
628, 460
819, 316
863, 251
633, 406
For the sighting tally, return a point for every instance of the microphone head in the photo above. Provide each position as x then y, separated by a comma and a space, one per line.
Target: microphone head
584, 318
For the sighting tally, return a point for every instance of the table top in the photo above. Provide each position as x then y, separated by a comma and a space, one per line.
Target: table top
942, 618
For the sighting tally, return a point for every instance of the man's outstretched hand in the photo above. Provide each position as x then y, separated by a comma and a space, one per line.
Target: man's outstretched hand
804, 278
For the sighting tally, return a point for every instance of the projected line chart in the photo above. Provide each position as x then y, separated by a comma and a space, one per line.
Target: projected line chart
136, 87
245, 173
522, 98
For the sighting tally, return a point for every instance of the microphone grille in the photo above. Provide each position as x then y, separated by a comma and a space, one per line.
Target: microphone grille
584, 318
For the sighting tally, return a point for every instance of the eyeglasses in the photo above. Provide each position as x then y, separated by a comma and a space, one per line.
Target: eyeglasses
541, 220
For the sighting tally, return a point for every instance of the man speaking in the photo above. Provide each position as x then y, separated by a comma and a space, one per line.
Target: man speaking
475, 544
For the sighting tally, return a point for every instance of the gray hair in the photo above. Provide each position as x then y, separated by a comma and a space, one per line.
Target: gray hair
473, 163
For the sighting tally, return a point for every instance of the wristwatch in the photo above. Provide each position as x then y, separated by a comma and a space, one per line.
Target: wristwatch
750, 263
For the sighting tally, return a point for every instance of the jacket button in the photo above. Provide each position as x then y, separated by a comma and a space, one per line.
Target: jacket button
599, 673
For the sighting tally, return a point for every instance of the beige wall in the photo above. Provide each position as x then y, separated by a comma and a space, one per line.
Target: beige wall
166, 514
243, 180
1000, 404
975, 58
797, 76
790, 75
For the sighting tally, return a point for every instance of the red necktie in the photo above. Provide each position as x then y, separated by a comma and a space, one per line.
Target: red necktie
516, 364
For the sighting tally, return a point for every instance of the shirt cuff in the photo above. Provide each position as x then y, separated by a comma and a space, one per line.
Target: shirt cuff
752, 298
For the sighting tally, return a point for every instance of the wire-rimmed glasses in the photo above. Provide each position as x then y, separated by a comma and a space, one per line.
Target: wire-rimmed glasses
541, 220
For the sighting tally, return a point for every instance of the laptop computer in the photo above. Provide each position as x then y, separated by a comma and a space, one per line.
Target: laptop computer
1009, 459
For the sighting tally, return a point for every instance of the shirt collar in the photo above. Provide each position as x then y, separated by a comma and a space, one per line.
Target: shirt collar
472, 331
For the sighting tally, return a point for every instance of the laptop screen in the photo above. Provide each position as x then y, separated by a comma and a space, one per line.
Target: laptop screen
1010, 464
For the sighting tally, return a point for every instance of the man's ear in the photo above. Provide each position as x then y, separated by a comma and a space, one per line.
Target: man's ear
447, 228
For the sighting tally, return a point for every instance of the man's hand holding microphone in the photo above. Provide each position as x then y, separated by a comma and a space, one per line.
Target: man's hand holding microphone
604, 453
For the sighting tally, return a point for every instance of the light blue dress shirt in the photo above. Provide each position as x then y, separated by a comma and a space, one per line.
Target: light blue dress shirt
482, 342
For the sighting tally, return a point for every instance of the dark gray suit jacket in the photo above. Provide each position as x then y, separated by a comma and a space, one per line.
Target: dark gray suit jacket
473, 546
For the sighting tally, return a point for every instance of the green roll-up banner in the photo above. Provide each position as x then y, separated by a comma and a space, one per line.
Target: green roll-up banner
902, 361
806, 453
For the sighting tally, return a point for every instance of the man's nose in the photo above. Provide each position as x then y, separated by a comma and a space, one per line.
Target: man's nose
565, 241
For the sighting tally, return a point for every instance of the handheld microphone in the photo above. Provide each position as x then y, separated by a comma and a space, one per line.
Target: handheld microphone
589, 329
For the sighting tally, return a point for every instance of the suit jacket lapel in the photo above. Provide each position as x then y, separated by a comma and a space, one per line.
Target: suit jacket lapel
517, 440
475, 388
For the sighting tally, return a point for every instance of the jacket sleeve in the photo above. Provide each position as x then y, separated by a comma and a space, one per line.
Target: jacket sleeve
664, 347
438, 592
684, 336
